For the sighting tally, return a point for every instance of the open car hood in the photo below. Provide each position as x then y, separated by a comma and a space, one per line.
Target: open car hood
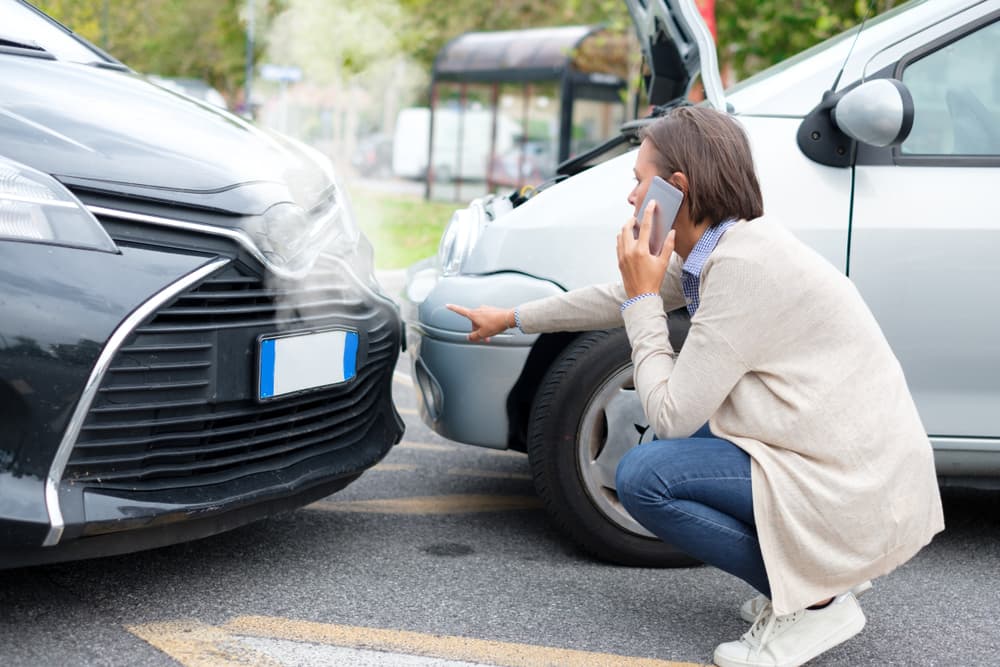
677, 46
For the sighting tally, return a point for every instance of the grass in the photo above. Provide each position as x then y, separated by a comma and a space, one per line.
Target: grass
402, 228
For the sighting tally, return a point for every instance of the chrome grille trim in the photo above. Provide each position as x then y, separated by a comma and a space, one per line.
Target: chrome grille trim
124, 330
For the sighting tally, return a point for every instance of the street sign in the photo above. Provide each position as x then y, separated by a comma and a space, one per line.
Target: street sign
286, 73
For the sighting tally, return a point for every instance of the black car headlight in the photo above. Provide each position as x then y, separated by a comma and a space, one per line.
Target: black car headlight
289, 238
37, 208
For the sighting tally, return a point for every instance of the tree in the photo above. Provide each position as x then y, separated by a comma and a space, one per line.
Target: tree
204, 39
335, 41
754, 34
347, 39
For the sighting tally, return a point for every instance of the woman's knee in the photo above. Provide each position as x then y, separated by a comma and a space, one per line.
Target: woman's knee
637, 479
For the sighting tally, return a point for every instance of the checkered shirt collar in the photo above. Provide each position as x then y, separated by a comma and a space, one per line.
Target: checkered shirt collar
704, 247
691, 271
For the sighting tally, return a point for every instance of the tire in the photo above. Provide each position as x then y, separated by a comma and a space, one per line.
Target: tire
587, 396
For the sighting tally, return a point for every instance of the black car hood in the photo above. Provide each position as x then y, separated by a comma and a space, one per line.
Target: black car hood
113, 132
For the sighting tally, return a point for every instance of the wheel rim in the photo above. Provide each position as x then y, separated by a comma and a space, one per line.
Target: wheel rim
612, 424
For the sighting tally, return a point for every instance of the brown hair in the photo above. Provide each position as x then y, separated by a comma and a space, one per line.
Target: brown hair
713, 151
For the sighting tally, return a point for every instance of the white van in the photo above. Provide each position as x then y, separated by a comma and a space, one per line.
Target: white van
461, 142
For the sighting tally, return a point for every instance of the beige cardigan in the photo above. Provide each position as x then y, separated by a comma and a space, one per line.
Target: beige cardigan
784, 359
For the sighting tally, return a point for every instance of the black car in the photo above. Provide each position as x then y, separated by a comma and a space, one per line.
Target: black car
191, 334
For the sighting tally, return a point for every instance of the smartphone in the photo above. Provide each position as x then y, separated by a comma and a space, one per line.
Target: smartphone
668, 203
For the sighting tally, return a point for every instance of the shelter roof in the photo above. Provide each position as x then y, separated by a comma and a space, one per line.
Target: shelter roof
538, 54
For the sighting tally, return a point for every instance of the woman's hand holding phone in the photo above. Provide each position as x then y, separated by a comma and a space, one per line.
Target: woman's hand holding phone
642, 272
668, 203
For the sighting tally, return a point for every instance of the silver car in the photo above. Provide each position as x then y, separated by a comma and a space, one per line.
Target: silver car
879, 149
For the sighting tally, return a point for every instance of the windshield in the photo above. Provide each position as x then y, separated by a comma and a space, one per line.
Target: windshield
20, 24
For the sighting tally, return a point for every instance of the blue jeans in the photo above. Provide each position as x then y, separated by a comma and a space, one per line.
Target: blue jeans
694, 493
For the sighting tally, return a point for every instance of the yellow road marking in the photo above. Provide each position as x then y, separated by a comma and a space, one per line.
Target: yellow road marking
448, 447
503, 452
495, 474
428, 446
194, 644
407, 411
450, 504
502, 654
458, 472
395, 467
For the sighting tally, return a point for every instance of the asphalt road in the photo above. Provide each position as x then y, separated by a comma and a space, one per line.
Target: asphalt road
441, 556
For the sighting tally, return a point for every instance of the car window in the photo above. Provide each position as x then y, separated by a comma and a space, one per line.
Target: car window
20, 24
956, 97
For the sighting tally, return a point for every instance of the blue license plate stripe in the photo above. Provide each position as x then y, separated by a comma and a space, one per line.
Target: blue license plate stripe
350, 355
267, 368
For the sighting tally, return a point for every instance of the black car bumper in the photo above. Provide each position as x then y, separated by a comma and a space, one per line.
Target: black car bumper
153, 432
171, 524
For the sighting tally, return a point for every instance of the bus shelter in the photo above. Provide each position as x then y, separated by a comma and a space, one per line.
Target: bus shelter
507, 107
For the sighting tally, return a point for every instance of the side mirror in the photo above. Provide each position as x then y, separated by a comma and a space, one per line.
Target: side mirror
878, 112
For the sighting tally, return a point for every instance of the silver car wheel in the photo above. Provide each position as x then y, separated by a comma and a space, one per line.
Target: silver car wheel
612, 424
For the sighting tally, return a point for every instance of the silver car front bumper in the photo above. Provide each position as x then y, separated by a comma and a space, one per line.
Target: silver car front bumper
462, 387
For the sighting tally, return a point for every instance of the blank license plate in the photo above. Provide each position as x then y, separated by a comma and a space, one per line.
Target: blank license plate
299, 362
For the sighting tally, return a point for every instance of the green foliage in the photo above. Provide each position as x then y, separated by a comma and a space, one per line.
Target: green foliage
86, 18
335, 40
754, 34
204, 39
207, 38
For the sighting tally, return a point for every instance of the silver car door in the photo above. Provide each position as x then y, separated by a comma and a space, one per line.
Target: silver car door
925, 229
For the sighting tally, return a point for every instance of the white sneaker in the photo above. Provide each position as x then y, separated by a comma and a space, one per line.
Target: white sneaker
750, 610
788, 641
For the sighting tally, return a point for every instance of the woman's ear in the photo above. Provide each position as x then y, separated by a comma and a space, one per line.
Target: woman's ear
679, 181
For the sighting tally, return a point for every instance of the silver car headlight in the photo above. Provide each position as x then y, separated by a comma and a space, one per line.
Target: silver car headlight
460, 236
37, 208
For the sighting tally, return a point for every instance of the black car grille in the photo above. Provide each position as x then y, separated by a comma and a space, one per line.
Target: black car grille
177, 408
